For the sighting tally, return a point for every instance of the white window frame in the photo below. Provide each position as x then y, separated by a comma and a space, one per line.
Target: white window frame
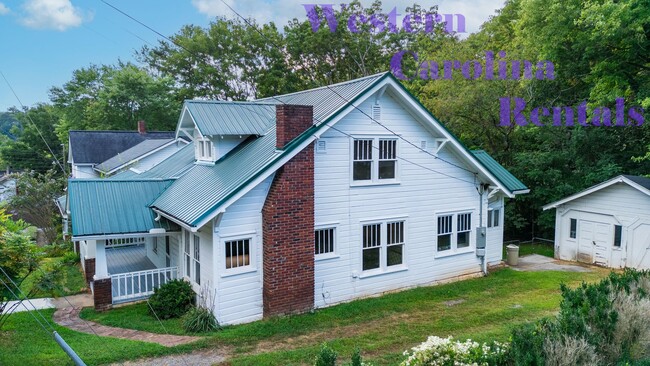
168, 252
375, 160
494, 217
187, 254
569, 237
383, 247
154, 245
334, 236
454, 233
196, 259
205, 150
252, 263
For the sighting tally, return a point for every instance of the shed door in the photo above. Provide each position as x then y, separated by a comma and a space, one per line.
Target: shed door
594, 240
639, 248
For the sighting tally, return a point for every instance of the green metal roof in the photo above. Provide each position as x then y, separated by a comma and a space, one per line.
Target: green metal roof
221, 118
502, 174
172, 167
105, 207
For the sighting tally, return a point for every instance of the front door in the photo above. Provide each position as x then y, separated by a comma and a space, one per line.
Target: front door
594, 242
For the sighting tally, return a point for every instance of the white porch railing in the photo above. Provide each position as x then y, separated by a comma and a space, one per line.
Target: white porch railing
121, 242
139, 285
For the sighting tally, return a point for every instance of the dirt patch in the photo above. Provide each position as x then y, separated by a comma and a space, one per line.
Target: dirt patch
451, 303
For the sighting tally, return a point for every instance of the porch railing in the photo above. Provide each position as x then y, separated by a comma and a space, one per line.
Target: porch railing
121, 242
132, 286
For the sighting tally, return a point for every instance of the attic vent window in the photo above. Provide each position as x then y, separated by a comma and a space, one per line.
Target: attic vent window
423, 144
321, 146
376, 112
204, 150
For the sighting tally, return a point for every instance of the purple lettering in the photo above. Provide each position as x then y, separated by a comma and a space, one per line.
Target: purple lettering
602, 117
503, 67
429, 70
620, 112
534, 115
392, 20
636, 115
545, 67
582, 114
354, 20
314, 19
557, 116
396, 64
406, 22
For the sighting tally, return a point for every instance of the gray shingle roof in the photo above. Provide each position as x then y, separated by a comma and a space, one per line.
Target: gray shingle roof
172, 167
131, 154
95, 147
642, 181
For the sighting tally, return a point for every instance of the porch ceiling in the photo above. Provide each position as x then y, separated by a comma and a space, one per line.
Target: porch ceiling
128, 259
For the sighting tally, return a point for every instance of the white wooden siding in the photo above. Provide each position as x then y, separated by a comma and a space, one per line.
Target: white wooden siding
618, 204
83, 171
494, 244
419, 196
239, 296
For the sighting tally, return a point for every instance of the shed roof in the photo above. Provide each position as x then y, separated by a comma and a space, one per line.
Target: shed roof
105, 207
640, 183
502, 174
95, 147
172, 167
129, 155
223, 118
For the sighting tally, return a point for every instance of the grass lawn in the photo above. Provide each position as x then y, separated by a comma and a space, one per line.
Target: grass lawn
73, 279
541, 248
383, 327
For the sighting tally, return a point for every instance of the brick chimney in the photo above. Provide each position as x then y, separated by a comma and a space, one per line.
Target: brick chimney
142, 127
291, 120
288, 222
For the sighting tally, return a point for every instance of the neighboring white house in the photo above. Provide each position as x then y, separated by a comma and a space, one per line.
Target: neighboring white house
607, 224
94, 154
342, 192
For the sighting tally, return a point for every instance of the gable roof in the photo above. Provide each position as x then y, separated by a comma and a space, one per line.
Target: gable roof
129, 155
224, 118
105, 207
640, 183
171, 168
95, 147
502, 174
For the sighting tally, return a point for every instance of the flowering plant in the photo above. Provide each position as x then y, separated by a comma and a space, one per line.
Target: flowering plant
436, 351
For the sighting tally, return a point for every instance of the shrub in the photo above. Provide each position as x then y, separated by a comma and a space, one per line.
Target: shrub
70, 258
438, 351
569, 351
199, 319
171, 300
527, 343
57, 249
326, 357
356, 358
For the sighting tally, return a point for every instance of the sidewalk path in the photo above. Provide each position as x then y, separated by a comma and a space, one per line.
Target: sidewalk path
68, 316
45, 303
536, 262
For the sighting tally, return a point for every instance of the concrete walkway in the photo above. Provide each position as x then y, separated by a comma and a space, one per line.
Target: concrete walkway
68, 316
39, 304
536, 262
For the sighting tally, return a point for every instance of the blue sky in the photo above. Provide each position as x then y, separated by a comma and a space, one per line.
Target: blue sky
43, 41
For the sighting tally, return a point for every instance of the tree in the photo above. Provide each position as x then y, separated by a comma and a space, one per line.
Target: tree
114, 98
35, 201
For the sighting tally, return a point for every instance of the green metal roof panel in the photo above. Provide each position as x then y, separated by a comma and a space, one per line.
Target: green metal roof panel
104, 207
502, 174
206, 186
222, 118
327, 100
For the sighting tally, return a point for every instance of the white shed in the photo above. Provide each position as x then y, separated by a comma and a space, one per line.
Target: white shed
607, 224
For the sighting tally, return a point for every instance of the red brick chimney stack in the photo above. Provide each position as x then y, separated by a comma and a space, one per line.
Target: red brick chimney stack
291, 120
142, 127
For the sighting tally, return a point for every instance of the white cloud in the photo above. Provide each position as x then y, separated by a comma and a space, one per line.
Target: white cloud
53, 14
475, 11
3, 9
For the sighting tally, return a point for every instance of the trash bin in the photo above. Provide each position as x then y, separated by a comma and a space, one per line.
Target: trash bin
513, 254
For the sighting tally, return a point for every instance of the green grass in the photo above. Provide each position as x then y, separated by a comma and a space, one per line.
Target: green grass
541, 248
382, 327
73, 279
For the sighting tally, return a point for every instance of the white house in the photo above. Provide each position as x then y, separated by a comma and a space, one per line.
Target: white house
295, 202
607, 224
94, 154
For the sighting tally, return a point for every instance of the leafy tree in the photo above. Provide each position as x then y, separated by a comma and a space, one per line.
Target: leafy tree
7, 122
34, 201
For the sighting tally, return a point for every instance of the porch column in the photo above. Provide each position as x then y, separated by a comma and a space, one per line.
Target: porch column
89, 260
102, 288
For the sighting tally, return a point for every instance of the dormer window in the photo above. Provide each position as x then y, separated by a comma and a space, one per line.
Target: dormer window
205, 150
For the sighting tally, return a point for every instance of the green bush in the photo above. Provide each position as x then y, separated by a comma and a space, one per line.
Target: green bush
57, 250
326, 357
527, 343
356, 358
199, 319
70, 258
171, 300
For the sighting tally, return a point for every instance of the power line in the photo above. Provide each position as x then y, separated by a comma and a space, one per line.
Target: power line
33, 124
28, 310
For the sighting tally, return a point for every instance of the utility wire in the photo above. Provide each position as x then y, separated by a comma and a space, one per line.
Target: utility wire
33, 124
25, 296
28, 310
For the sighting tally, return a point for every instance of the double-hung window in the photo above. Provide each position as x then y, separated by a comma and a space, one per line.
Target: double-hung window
454, 231
197, 259
573, 229
187, 251
493, 217
374, 160
382, 245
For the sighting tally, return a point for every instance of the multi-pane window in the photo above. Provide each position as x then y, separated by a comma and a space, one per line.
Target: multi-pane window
464, 227
387, 158
155, 245
197, 260
374, 160
382, 245
238, 253
324, 241
444, 232
362, 163
573, 230
618, 233
394, 243
454, 231
204, 148
493, 217
188, 258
